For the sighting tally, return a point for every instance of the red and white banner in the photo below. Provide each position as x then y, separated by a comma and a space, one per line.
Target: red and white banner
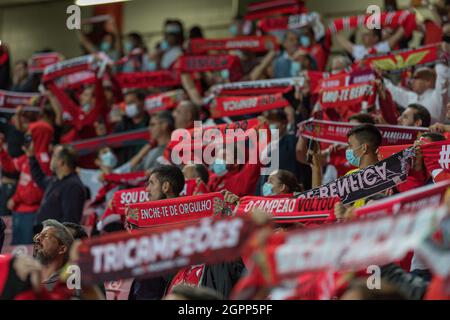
122, 198
392, 19
84, 63
151, 253
167, 211
76, 79
11, 99
244, 43
429, 196
436, 156
348, 98
203, 63
149, 79
235, 106
290, 210
39, 61
164, 101
258, 87
336, 132
348, 246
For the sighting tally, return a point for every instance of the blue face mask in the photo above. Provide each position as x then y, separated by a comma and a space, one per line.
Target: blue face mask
273, 128
105, 46
128, 47
219, 167
151, 65
351, 158
296, 67
305, 41
225, 74
233, 30
164, 45
267, 189
108, 159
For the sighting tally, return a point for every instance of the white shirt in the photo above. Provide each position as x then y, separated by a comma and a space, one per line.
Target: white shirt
170, 56
90, 178
359, 51
435, 100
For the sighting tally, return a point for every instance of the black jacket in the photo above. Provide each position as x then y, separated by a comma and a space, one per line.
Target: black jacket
223, 276
63, 199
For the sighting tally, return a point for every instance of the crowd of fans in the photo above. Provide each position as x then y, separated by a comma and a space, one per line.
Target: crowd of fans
53, 196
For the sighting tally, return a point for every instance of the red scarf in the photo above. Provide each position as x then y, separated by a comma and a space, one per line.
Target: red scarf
348, 100
263, 9
146, 79
87, 146
191, 276
236, 106
388, 19
164, 250
285, 255
133, 179
39, 61
167, 211
290, 210
258, 87
75, 80
428, 196
187, 142
164, 101
66, 67
245, 43
11, 99
436, 156
336, 132
402, 59
191, 64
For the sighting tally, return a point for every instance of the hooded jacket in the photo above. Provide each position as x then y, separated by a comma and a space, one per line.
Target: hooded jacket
28, 195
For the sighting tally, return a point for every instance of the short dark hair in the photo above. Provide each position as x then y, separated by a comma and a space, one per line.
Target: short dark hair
378, 33
362, 118
68, 155
196, 293
433, 136
203, 173
77, 231
421, 113
171, 174
290, 180
166, 116
367, 133
139, 93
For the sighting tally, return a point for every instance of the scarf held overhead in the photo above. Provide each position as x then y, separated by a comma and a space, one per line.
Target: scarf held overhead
336, 132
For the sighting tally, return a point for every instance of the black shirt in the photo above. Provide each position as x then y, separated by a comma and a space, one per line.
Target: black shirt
124, 154
63, 199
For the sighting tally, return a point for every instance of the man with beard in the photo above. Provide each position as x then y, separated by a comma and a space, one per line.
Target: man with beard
51, 248
64, 193
165, 182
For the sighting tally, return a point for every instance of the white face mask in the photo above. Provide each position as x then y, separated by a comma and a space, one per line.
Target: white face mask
131, 110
